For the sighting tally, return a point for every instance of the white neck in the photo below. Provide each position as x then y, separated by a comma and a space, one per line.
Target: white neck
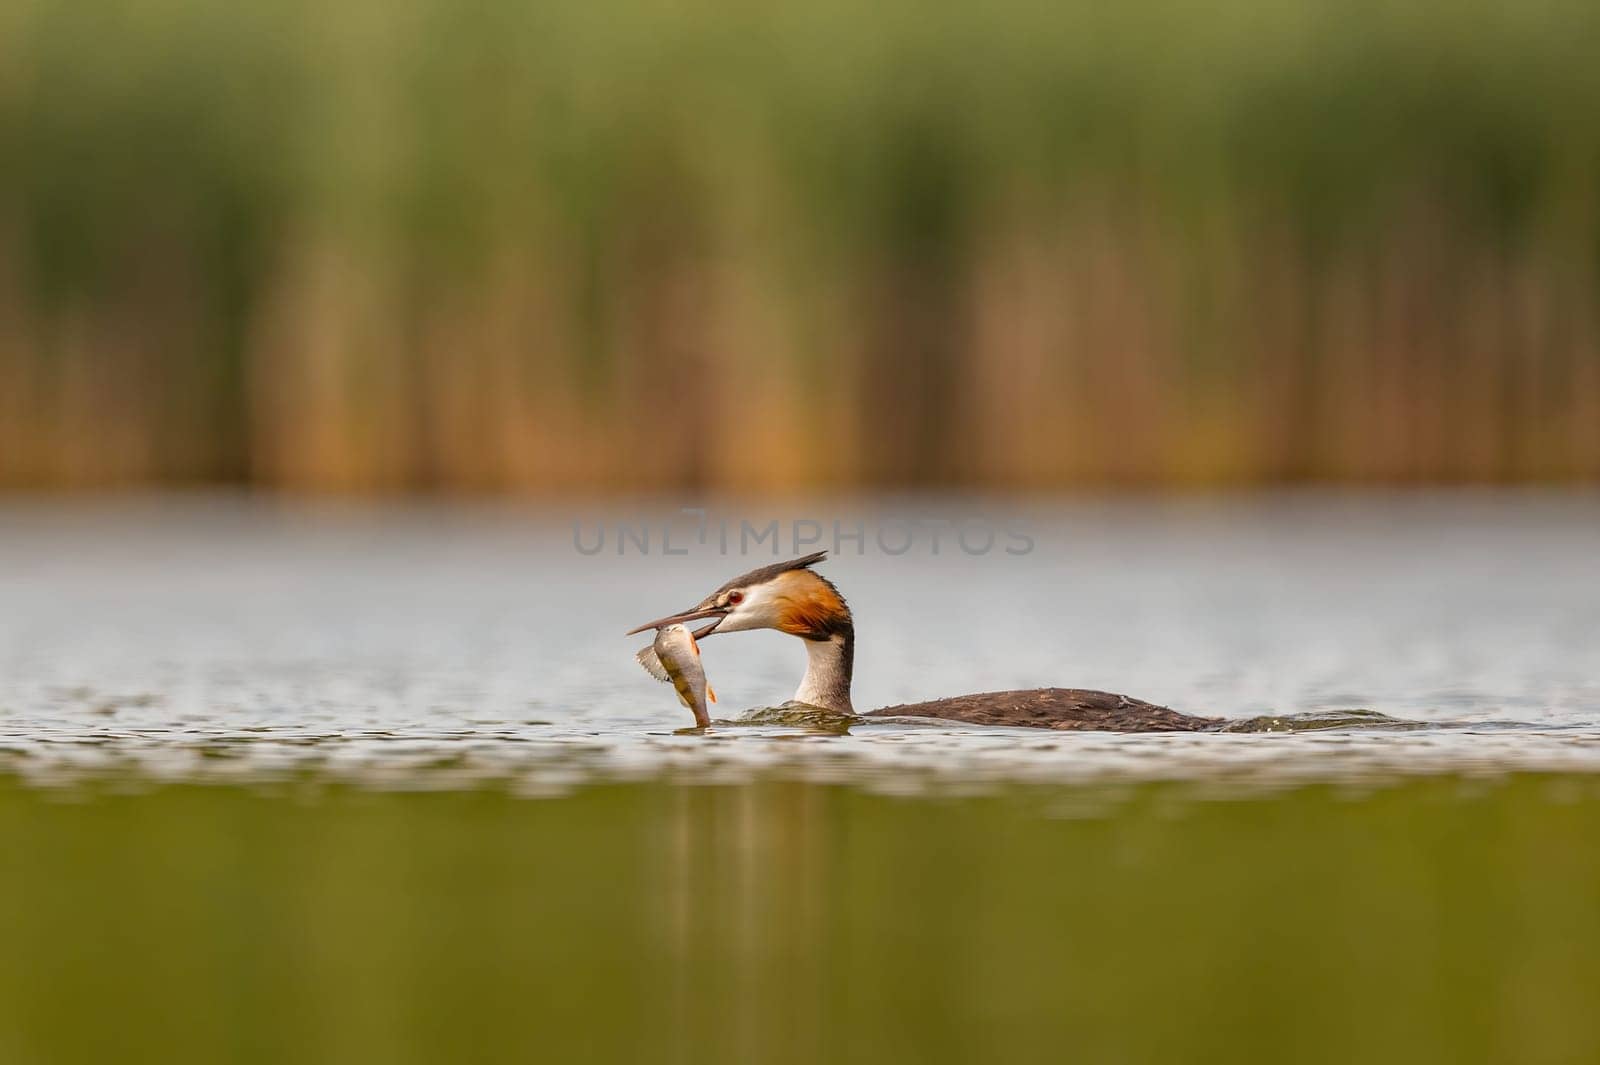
827, 679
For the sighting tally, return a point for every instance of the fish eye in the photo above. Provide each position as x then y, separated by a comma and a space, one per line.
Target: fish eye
735, 598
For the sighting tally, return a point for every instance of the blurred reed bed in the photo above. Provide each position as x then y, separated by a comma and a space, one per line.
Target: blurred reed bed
494, 246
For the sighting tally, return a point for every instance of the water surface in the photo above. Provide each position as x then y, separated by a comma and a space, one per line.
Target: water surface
442, 645
346, 783
1438, 920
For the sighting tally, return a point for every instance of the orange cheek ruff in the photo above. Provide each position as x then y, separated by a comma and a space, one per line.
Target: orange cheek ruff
808, 609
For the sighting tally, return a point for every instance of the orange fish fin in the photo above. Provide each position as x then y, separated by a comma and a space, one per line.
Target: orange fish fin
711, 693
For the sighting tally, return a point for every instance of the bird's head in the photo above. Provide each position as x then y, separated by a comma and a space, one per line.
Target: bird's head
786, 596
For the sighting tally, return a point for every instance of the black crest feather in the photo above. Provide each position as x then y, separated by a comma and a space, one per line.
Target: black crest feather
766, 573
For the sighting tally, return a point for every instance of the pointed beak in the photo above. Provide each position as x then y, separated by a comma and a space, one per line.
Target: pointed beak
694, 614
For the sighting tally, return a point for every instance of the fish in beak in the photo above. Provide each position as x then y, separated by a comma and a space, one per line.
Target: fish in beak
674, 658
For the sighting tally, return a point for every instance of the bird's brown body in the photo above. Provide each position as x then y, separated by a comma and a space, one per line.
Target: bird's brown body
1071, 709
789, 597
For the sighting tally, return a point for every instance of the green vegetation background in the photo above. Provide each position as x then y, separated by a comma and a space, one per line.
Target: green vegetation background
497, 246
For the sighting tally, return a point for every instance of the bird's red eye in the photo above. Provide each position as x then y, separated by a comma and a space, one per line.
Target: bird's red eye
735, 598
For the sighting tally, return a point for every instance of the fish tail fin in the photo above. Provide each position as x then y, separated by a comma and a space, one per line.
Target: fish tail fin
711, 693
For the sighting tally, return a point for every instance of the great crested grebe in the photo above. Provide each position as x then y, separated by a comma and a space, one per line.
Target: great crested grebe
789, 597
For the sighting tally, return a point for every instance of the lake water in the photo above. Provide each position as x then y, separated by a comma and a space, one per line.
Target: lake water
440, 645
344, 783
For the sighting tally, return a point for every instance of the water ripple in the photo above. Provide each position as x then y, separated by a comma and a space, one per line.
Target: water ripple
894, 757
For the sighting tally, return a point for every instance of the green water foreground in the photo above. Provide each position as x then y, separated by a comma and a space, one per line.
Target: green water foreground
1437, 920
